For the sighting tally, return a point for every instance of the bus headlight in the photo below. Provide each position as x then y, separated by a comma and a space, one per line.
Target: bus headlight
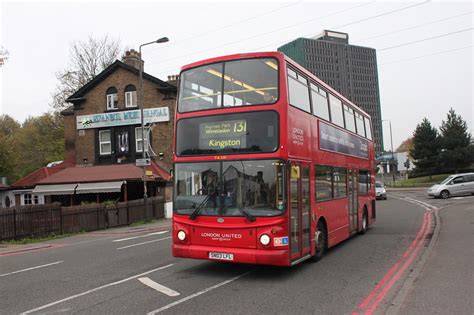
181, 235
265, 239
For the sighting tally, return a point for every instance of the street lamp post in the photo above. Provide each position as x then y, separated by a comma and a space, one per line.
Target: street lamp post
391, 147
142, 106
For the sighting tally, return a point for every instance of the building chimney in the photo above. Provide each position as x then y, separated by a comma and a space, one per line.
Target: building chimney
173, 79
132, 58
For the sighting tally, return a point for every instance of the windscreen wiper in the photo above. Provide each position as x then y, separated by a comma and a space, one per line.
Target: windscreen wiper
250, 217
198, 209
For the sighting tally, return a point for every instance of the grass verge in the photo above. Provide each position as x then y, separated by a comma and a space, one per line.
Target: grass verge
142, 222
424, 181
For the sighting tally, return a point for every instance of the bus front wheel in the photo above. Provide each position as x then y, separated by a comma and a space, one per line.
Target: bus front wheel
321, 241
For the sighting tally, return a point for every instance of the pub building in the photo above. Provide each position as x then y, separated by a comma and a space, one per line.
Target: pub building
104, 142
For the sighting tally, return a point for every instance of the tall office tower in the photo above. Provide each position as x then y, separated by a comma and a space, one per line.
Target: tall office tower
350, 69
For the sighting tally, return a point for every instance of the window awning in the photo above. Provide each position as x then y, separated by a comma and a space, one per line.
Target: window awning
104, 187
63, 189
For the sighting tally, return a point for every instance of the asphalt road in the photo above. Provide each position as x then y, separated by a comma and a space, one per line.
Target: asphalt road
129, 271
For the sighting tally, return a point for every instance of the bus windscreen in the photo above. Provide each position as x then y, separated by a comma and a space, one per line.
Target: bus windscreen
253, 132
229, 84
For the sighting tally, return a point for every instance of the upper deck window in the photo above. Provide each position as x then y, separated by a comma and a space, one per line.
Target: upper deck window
298, 91
228, 84
336, 111
368, 128
360, 124
349, 118
320, 102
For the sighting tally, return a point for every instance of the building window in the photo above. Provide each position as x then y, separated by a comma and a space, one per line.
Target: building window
105, 145
138, 139
122, 142
27, 199
131, 96
112, 98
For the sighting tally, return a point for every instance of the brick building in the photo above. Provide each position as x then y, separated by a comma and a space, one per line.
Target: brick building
103, 138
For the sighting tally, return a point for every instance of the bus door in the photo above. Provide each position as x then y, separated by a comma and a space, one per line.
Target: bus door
300, 213
352, 193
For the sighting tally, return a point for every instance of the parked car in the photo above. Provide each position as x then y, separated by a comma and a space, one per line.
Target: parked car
453, 185
380, 192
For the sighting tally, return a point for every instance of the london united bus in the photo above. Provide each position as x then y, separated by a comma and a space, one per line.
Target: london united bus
271, 165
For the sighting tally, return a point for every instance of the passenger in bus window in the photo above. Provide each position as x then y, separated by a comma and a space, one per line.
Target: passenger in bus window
268, 98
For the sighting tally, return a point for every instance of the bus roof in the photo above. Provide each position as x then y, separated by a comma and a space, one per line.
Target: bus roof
279, 55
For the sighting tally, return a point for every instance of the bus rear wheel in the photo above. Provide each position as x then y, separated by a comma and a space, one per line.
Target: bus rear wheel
365, 222
321, 240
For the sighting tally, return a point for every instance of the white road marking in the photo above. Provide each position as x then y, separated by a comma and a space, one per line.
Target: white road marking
158, 287
27, 269
192, 296
95, 289
138, 244
140, 236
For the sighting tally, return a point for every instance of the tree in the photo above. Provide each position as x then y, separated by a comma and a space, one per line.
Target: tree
456, 149
425, 148
41, 140
8, 149
87, 59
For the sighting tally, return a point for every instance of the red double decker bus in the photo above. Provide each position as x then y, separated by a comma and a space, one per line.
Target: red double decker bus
272, 166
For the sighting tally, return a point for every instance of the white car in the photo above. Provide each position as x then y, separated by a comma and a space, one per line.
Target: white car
453, 185
380, 192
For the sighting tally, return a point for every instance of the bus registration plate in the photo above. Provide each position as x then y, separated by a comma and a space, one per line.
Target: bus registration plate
221, 256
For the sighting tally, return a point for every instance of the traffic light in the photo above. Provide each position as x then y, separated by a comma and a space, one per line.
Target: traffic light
407, 163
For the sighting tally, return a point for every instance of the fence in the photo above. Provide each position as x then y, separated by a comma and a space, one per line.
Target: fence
42, 220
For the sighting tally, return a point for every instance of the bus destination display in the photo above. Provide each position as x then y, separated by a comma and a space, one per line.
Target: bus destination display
230, 134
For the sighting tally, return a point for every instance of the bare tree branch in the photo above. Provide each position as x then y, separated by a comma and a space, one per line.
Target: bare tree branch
86, 60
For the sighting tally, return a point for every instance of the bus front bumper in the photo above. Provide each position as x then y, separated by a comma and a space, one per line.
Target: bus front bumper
276, 257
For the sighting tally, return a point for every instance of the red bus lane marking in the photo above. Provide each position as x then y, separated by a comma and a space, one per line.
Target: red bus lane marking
394, 268
409, 254
397, 276
20, 251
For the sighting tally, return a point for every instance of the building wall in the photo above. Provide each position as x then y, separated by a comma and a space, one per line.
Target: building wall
349, 69
83, 144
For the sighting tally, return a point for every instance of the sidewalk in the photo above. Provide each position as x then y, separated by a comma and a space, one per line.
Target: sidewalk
446, 282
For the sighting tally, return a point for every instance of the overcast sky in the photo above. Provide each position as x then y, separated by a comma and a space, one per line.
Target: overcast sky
422, 79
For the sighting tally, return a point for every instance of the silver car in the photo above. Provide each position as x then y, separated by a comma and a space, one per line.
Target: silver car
453, 185
380, 192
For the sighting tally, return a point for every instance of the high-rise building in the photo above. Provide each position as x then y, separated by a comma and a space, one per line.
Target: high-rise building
350, 69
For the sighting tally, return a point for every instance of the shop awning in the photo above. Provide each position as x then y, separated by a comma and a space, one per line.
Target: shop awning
103, 187
63, 189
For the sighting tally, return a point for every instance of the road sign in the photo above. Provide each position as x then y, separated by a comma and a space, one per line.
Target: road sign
143, 162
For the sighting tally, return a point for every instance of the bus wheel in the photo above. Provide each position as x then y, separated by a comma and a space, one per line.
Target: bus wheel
321, 239
365, 222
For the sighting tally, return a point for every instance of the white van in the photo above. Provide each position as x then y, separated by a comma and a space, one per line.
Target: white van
453, 185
